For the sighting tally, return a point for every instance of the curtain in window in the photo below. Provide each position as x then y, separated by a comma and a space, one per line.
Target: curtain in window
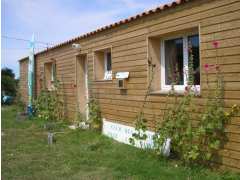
174, 62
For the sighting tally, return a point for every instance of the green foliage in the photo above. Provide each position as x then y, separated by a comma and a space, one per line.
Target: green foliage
8, 82
80, 117
177, 126
83, 155
49, 105
210, 132
7, 72
95, 118
189, 143
195, 144
140, 128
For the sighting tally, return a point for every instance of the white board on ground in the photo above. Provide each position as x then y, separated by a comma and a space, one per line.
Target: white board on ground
122, 133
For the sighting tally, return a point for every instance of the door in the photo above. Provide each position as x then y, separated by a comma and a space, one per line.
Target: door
82, 84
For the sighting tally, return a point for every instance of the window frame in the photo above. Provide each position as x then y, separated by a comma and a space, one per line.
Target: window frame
53, 69
177, 88
48, 83
106, 72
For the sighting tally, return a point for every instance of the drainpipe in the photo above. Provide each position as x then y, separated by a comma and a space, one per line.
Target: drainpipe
31, 76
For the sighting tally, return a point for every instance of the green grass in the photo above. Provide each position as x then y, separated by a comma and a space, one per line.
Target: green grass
82, 155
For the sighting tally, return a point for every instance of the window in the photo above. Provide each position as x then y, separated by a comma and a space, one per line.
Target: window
175, 62
103, 64
53, 72
108, 65
49, 75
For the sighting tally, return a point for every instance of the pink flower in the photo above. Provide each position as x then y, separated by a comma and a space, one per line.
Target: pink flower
215, 44
206, 67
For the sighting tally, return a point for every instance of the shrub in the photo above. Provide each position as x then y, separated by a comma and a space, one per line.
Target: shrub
95, 118
49, 105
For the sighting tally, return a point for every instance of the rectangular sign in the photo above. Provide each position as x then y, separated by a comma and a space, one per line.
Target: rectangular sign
122, 75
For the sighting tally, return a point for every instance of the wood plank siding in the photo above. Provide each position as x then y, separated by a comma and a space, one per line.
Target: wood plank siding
23, 80
217, 20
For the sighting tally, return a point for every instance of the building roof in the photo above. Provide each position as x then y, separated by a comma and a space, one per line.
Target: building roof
116, 24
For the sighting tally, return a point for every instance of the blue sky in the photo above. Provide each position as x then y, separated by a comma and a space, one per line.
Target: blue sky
54, 21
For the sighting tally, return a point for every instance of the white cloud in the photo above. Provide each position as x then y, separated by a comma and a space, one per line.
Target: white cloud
57, 20
51, 21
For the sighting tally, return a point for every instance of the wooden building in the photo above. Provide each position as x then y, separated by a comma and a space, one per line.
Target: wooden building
161, 37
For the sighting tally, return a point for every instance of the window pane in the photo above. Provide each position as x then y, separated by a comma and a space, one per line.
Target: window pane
174, 62
193, 44
53, 75
109, 61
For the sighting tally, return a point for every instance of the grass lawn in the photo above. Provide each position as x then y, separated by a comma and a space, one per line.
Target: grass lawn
81, 154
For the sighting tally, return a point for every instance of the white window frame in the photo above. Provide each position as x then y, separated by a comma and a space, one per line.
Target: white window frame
52, 72
177, 88
107, 74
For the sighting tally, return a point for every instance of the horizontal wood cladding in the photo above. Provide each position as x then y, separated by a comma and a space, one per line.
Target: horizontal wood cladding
217, 20
23, 81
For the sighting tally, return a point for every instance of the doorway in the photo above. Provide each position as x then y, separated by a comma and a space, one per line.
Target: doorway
82, 84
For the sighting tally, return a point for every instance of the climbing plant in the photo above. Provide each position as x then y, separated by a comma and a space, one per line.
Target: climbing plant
49, 105
196, 144
176, 122
192, 143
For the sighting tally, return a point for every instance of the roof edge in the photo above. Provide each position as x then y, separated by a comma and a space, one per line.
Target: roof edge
117, 24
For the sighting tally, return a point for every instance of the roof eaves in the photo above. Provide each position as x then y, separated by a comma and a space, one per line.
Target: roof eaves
130, 19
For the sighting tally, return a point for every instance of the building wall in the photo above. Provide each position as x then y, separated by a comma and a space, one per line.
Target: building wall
23, 82
217, 20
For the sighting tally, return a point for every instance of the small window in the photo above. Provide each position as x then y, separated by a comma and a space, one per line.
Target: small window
103, 64
49, 75
53, 72
108, 66
176, 54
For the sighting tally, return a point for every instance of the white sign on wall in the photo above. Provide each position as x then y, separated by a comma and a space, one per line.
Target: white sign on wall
122, 133
122, 75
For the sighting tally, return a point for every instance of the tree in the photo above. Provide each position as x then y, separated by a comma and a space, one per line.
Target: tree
8, 82
8, 72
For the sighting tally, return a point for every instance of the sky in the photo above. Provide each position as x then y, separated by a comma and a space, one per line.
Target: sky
55, 21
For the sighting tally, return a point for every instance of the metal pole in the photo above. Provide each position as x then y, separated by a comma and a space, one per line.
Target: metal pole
31, 76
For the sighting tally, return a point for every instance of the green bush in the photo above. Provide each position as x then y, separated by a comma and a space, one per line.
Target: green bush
49, 106
95, 118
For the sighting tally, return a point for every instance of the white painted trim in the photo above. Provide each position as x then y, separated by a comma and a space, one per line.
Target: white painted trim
162, 55
107, 74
